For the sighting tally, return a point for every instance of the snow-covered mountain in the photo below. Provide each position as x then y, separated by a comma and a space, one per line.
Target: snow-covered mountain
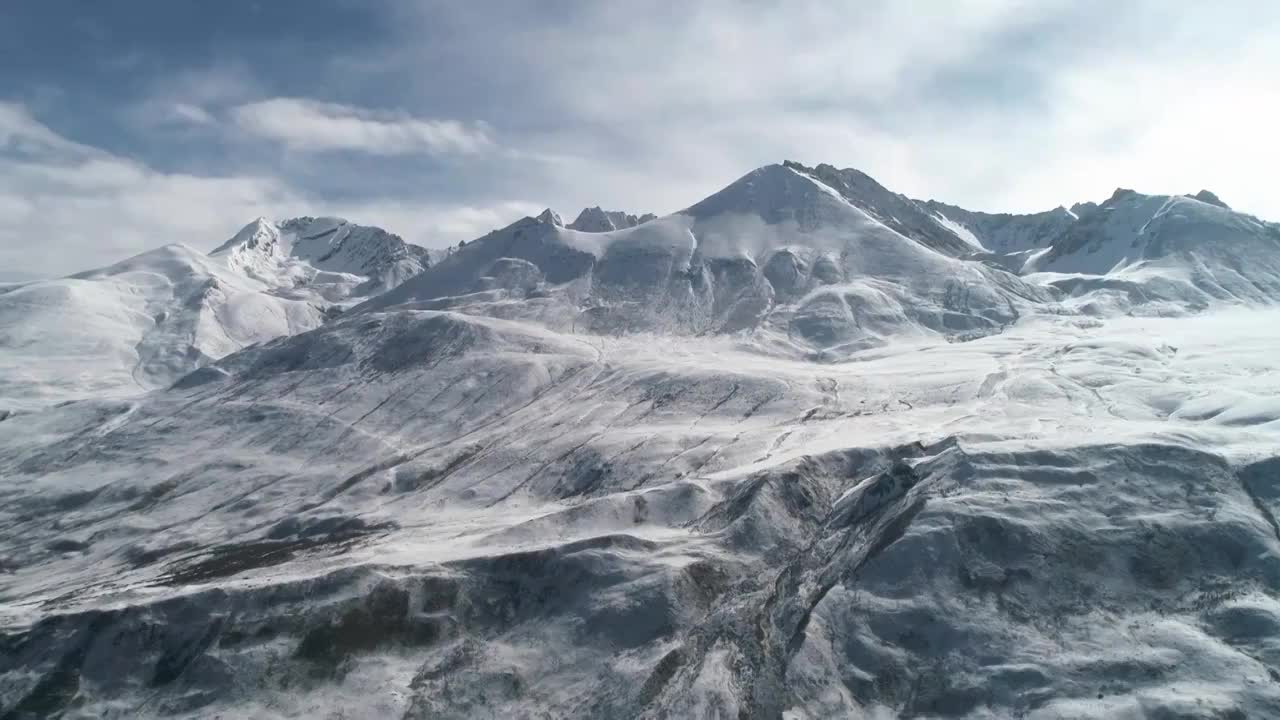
1176, 248
805, 449
1135, 252
778, 253
1003, 233
144, 322
319, 251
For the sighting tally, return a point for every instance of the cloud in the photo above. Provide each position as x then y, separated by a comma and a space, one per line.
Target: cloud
163, 115
66, 206
1174, 121
1000, 105
658, 103
188, 114
311, 126
434, 224
21, 134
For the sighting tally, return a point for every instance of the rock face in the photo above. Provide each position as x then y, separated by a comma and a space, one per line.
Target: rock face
1004, 233
790, 452
1205, 196
595, 220
550, 217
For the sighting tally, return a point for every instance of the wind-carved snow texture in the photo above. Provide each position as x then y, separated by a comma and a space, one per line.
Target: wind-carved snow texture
787, 453
142, 323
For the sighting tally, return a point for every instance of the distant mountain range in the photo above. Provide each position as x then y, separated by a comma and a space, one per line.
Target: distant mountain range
812, 260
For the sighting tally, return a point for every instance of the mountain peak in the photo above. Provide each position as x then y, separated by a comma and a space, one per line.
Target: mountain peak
898, 212
1121, 193
290, 252
259, 234
1206, 196
596, 220
1082, 209
308, 226
551, 217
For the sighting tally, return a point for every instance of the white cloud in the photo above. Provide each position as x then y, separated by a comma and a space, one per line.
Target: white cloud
658, 103
310, 126
22, 133
435, 224
189, 101
1188, 110
1172, 122
189, 114
996, 104
69, 207
66, 207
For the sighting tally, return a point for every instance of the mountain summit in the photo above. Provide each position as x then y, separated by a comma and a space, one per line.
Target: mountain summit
292, 252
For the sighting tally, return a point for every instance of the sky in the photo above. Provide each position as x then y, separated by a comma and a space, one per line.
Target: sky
127, 125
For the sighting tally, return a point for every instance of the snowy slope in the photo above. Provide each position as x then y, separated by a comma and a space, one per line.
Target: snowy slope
144, 322
424, 514
133, 326
898, 212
